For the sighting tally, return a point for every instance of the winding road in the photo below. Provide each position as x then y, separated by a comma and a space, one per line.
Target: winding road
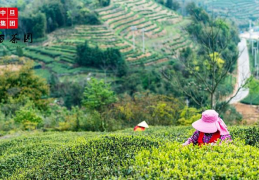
243, 72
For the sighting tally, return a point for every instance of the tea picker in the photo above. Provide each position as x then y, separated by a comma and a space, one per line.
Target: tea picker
209, 129
141, 126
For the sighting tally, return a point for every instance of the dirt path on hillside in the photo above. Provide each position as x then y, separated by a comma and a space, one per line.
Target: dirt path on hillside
250, 113
58, 34
11, 67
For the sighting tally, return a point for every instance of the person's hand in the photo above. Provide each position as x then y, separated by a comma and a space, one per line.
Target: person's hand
181, 146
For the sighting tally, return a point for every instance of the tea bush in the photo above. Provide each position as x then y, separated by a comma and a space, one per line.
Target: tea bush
250, 135
153, 154
22, 153
97, 159
234, 161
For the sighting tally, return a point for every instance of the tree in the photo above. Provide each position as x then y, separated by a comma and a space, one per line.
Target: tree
39, 25
72, 10
34, 23
55, 14
197, 13
190, 7
71, 93
202, 72
19, 51
28, 116
108, 59
253, 86
189, 115
155, 109
174, 5
169, 3
97, 96
104, 2
23, 83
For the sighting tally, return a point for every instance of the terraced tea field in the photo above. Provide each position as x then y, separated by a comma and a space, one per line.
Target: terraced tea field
241, 11
142, 14
163, 31
163, 38
59, 57
103, 37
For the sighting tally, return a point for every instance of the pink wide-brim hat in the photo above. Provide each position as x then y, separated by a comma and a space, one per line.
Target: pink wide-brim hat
210, 123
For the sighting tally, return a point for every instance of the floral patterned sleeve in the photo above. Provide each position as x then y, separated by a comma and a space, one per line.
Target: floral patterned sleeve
193, 139
226, 137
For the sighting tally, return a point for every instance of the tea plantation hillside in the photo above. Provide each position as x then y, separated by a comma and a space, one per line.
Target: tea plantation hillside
155, 153
164, 39
241, 11
162, 26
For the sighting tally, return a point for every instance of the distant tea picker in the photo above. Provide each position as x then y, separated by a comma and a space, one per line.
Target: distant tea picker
209, 129
141, 126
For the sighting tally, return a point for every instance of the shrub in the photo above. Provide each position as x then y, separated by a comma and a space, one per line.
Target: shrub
104, 2
28, 118
6, 124
253, 97
23, 83
232, 115
54, 115
154, 109
108, 59
77, 119
98, 94
96, 159
234, 161
91, 121
250, 135
189, 115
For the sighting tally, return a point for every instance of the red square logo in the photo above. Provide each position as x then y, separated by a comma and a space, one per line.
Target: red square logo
3, 13
8, 18
12, 12
3, 23
12, 23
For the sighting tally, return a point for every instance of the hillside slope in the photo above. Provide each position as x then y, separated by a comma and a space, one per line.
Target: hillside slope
240, 11
164, 37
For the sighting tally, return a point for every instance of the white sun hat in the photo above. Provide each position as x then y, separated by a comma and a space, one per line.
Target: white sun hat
143, 124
